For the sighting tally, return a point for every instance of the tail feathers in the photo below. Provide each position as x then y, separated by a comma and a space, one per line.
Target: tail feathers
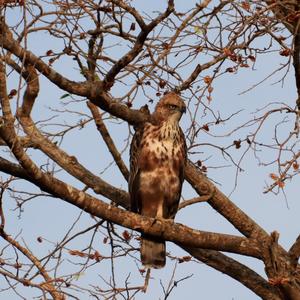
153, 252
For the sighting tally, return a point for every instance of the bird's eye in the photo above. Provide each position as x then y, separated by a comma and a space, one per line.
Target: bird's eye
171, 106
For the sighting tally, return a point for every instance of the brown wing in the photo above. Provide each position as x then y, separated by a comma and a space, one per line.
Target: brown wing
174, 198
133, 182
153, 250
183, 157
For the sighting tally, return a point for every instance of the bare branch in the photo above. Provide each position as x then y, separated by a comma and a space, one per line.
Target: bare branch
203, 198
165, 229
296, 60
8, 119
280, 271
236, 270
223, 205
11, 45
108, 140
136, 49
138, 56
71, 164
13, 169
31, 92
48, 284
132, 11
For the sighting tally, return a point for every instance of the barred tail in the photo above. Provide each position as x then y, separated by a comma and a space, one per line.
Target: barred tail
153, 252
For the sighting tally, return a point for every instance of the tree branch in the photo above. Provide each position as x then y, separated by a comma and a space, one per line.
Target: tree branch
48, 284
71, 165
108, 140
222, 204
132, 11
137, 48
296, 61
280, 271
32, 90
5, 120
281, 10
294, 251
237, 271
203, 198
91, 90
163, 229
14, 170
134, 117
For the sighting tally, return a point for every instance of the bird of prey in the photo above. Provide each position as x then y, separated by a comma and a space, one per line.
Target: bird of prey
157, 161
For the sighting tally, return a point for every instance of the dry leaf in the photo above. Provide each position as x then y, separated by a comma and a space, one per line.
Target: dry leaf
280, 184
274, 176
207, 79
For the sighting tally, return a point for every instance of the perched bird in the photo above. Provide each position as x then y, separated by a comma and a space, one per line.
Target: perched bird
157, 161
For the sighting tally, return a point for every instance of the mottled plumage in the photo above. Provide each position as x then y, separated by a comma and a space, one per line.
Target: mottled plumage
157, 161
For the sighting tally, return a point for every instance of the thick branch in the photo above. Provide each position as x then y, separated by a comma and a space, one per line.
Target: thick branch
8, 119
71, 165
220, 202
8, 43
280, 271
165, 229
223, 205
236, 270
294, 252
32, 90
296, 61
7, 114
282, 9
14, 170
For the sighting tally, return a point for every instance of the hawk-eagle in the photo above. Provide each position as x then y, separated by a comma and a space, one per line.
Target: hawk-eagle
157, 161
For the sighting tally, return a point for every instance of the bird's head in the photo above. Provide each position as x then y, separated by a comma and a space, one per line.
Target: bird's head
170, 107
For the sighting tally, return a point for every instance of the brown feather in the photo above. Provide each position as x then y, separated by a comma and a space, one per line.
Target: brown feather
157, 161
153, 252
